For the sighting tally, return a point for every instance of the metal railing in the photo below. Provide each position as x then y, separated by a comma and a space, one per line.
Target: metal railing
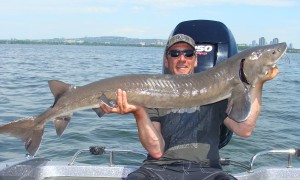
99, 150
290, 152
249, 168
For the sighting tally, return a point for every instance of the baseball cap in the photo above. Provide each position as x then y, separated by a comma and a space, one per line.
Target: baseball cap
180, 38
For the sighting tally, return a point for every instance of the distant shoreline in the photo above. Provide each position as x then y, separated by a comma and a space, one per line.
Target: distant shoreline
240, 48
80, 44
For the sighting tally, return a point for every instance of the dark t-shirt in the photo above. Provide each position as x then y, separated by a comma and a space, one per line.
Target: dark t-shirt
190, 134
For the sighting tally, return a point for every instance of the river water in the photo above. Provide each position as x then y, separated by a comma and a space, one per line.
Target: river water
25, 69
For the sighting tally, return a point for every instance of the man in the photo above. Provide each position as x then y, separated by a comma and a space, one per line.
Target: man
183, 143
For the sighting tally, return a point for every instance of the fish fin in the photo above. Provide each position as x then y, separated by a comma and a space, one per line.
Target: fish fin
99, 112
107, 102
25, 130
239, 104
33, 143
58, 88
61, 123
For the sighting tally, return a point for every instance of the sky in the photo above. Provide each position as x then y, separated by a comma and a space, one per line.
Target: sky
247, 19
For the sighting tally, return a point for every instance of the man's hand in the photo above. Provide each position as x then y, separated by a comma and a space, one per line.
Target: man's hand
271, 74
123, 106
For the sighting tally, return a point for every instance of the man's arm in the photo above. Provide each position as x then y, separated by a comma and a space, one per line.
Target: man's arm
245, 128
149, 132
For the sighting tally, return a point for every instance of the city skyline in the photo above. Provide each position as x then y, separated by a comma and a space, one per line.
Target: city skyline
263, 41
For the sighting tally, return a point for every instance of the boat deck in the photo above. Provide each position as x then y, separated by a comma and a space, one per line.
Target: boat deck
42, 168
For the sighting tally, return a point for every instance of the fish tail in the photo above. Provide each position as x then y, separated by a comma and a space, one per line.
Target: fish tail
26, 130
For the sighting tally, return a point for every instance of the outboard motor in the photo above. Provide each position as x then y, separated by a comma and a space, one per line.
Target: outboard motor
214, 43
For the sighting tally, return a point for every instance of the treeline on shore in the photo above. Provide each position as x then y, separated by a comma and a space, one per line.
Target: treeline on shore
75, 43
240, 48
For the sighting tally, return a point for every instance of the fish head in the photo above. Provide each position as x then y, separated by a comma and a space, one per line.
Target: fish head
258, 61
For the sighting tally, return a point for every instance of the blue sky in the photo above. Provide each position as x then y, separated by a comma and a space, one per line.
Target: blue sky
247, 19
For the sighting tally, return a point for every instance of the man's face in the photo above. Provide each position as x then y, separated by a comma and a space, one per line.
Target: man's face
181, 64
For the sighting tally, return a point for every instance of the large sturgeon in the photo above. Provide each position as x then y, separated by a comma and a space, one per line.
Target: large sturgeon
232, 79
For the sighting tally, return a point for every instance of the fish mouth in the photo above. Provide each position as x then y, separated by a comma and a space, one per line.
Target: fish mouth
282, 49
278, 52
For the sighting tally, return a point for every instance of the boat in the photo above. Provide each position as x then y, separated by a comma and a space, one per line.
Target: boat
214, 44
42, 168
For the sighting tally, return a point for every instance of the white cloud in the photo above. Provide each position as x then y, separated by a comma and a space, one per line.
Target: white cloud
61, 7
166, 4
275, 3
113, 6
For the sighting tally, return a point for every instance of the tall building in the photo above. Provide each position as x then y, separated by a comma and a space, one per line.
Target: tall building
291, 46
275, 41
253, 43
262, 41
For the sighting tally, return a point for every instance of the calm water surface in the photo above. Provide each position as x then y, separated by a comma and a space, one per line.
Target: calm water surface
25, 69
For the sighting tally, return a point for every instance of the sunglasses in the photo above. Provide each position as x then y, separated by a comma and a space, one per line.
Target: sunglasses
186, 53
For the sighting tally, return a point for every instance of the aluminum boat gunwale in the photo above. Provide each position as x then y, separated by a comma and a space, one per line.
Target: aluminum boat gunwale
42, 168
